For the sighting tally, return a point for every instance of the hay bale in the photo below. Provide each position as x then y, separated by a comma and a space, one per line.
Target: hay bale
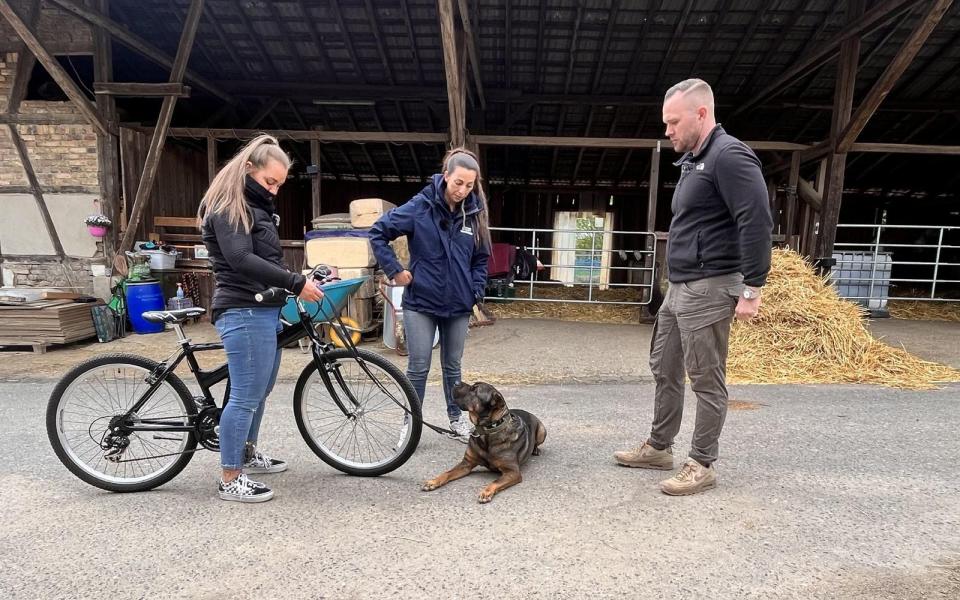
806, 333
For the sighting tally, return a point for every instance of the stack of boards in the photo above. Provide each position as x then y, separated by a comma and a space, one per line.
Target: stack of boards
44, 322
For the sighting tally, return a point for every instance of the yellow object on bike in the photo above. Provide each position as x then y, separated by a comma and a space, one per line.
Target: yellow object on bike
349, 324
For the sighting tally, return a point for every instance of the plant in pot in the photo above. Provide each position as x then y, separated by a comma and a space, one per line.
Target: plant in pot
97, 225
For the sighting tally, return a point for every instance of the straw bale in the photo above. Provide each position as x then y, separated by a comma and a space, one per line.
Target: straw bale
806, 333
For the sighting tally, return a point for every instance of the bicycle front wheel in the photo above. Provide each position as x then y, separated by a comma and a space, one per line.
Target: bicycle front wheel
374, 429
88, 429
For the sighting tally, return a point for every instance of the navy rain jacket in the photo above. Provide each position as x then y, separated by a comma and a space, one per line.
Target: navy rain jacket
449, 266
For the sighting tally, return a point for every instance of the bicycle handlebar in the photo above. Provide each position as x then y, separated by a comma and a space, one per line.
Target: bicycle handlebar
270, 294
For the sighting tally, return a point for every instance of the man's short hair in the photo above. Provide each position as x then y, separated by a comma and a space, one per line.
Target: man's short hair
698, 89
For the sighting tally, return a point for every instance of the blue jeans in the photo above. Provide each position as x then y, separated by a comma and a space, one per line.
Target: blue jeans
419, 329
250, 338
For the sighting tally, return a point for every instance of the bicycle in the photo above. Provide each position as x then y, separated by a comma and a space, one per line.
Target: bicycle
126, 423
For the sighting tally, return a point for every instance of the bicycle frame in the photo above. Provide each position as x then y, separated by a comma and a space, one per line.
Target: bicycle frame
206, 379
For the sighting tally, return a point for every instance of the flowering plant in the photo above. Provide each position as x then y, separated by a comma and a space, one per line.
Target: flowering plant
97, 221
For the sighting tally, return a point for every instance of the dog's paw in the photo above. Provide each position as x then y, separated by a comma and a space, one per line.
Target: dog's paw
429, 486
485, 497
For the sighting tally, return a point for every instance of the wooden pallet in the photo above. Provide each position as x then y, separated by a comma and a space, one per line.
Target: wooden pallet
44, 322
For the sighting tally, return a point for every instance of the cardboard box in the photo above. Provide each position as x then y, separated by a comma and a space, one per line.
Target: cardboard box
340, 252
365, 212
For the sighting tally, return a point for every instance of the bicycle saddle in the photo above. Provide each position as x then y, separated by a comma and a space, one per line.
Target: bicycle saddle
172, 316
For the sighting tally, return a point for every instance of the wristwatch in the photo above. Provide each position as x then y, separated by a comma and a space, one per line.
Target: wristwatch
750, 293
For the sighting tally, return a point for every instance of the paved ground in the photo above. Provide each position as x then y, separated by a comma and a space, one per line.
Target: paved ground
825, 492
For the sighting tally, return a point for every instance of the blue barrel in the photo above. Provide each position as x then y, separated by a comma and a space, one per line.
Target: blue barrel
143, 296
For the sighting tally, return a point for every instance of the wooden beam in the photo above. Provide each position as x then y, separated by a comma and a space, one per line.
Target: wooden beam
348, 41
832, 193
155, 150
911, 47
381, 47
471, 40
141, 90
262, 114
316, 207
360, 137
25, 62
122, 34
108, 150
40, 119
809, 195
653, 189
790, 209
905, 148
875, 17
451, 66
35, 189
211, 158
411, 38
53, 67
599, 142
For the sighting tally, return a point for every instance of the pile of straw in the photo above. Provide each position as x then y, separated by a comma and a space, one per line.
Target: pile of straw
924, 311
805, 333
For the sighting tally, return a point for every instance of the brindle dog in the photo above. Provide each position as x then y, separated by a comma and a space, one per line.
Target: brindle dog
503, 439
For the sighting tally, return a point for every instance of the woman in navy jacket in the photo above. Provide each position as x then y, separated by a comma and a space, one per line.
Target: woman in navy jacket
448, 234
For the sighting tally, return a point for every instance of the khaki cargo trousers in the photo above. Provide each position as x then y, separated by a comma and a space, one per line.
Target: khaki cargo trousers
691, 335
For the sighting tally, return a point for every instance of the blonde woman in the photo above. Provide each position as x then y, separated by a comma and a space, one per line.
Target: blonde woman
238, 220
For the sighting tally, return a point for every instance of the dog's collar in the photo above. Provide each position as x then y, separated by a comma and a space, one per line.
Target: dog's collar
482, 430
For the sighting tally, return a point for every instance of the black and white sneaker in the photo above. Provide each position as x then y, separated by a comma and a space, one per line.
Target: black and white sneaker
258, 462
243, 489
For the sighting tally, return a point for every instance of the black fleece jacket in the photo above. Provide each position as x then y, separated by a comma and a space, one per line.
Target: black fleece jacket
247, 263
721, 216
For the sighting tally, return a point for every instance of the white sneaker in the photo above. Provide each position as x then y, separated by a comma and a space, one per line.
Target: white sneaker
244, 489
258, 462
462, 428
403, 433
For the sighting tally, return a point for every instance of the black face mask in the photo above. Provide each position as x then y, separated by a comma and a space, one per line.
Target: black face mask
257, 191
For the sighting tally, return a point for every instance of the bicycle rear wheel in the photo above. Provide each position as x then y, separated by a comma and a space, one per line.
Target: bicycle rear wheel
377, 434
92, 396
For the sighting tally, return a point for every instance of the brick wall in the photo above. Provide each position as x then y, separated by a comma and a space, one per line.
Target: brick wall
63, 156
77, 273
57, 30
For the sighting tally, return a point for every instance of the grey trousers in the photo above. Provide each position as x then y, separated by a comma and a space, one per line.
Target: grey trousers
691, 335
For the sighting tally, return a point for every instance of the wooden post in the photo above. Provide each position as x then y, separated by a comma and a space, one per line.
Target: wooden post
163, 124
211, 158
53, 67
790, 208
315, 182
653, 189
108, 150
836, 161
451, 66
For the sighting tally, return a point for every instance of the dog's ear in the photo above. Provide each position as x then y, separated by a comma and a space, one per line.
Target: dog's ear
496, 400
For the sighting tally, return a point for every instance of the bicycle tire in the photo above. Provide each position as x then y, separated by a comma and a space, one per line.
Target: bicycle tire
78, 447
334, 437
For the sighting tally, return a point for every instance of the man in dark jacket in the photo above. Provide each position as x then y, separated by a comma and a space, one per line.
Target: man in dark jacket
718, 257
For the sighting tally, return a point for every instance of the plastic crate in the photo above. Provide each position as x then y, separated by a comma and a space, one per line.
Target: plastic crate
863, 277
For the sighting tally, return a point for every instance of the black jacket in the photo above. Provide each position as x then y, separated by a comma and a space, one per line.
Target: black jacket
247, 263
721, 215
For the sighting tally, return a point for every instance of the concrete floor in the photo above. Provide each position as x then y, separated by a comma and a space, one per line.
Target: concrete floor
845, 492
